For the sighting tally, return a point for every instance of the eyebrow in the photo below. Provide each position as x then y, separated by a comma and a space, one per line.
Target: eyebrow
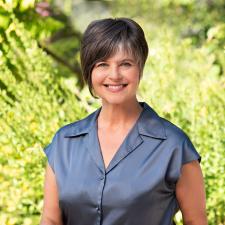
127, 59
123, 60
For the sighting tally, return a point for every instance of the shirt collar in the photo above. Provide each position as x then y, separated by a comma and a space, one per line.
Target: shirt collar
149, 124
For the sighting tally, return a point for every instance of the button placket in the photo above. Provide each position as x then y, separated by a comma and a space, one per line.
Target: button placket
100, 193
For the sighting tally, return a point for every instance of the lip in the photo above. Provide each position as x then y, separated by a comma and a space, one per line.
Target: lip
114, 84
114, 88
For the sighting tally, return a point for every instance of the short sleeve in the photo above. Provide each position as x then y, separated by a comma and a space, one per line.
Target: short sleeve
181, 154
189, 153
50, 152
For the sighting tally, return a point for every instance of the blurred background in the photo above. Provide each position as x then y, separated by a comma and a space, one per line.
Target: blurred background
41, 88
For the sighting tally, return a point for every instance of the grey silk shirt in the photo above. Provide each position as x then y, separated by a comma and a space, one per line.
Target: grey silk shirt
137, 187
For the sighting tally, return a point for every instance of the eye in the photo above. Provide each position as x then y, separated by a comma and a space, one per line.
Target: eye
126, 64
101, 65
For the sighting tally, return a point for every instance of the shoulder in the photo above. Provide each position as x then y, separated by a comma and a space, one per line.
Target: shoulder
155, 125
78, 127
181, 143
173, 132
172, 129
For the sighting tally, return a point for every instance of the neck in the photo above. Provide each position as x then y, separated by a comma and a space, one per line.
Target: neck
118, 115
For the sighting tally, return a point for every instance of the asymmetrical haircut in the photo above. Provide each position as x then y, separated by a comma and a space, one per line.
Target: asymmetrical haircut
102, 39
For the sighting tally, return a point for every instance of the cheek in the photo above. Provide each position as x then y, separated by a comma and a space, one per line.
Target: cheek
135, 77
97, 79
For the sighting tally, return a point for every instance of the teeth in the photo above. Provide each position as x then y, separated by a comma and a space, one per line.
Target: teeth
115, 86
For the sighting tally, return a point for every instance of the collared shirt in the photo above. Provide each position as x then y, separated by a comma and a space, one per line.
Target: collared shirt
137, 187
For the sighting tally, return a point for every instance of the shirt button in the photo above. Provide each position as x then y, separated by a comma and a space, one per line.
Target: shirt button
102, 177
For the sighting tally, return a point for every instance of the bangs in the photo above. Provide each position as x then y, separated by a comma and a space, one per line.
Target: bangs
109, 48
108, 41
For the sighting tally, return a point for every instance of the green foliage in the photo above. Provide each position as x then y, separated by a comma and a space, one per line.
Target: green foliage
39, 28
35, 101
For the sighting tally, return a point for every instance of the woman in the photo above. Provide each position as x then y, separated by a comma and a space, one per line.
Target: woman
122, 164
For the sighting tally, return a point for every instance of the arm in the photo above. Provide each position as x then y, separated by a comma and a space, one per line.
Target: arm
51, 212
190, 193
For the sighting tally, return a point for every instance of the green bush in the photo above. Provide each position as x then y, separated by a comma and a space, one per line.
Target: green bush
35, 101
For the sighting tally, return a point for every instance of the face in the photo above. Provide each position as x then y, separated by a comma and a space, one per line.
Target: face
115, 80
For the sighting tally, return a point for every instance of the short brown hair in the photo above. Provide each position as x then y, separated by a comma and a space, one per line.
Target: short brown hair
102, 38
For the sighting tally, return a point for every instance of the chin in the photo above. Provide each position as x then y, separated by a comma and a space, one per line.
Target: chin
114, 102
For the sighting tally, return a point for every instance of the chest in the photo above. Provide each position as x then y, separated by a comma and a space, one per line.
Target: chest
109, 143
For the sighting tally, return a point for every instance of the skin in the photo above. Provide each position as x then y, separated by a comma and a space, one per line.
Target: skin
122, 68
51, 214
190, 193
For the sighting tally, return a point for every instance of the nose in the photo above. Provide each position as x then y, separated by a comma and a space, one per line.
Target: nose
115, 73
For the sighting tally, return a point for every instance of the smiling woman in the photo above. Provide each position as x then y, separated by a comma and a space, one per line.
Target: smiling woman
123, 164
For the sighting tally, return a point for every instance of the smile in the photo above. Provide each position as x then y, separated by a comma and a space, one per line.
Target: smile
115, 88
